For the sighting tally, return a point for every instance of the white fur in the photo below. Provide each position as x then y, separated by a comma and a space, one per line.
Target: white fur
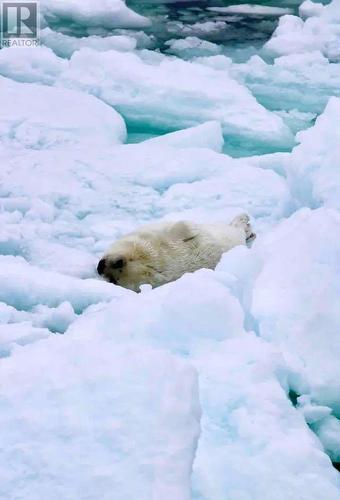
159, 253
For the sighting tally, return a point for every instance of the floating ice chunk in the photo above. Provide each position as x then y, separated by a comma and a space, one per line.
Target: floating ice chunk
192, 47
169, 316
208, 135
291, 62
39, 117
295, 300
36, 64
312, 168
309, 9
126, 418
321, 31
24, 286
103, 13
199, 28
64, 45
143, 41
289, 38
251, 9
173, 94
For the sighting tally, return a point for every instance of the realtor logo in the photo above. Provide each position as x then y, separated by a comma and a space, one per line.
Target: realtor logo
19, 24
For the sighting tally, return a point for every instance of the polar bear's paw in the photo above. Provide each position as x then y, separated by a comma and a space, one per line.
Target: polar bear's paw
243, 221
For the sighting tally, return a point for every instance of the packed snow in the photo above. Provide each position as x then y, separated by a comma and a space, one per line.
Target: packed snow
222, 385
44, 118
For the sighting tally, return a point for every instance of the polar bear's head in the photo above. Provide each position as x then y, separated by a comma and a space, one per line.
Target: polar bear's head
130, 264
154, 255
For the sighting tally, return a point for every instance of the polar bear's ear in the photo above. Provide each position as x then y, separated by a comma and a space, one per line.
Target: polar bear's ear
182, 231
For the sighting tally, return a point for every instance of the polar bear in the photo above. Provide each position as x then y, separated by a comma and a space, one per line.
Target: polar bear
158, 253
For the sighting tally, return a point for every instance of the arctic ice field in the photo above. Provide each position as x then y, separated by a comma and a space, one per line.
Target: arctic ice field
225, 384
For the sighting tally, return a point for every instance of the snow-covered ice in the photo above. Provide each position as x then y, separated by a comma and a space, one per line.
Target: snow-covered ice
38, 64
39, 117
192, 46
295, 297
223, 385
68, 429
250, 9
313, 167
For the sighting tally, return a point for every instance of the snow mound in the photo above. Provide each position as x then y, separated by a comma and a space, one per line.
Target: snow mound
295, 301
36, 64
312, 168
96, 418
38, 117
102, 13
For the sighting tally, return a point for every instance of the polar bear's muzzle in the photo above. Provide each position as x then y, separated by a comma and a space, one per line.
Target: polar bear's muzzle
109, 269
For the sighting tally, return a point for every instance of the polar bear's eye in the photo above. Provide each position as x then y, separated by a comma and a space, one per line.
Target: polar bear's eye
117, 264
189, 239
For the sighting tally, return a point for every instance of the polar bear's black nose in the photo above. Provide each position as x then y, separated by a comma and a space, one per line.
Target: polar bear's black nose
101, 266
